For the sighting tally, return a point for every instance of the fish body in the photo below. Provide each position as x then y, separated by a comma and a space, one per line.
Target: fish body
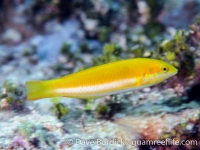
107, 79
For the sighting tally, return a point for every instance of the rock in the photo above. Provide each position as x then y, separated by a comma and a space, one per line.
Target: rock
49, 46
147, 90
179, 15
53, 27
20, 141
152, 128
90, 24
120, 39
94, 45
12, 35
36, 40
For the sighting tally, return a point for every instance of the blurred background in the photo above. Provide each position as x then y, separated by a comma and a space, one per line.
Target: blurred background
45, 39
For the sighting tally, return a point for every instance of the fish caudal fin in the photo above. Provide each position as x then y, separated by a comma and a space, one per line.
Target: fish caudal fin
37, 90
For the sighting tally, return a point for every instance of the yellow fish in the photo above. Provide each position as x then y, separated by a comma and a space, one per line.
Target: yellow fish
107, 79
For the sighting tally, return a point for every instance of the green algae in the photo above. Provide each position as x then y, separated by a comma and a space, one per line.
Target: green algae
71, 56
102, 109
88, 104
178, 52
137, 50
103, 34
14, 96
59, 109
111, 53
65, 49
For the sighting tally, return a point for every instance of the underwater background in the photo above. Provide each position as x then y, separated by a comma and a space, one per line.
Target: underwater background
46, 39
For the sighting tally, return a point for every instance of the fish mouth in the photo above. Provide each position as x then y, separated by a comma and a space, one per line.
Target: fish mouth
175, 71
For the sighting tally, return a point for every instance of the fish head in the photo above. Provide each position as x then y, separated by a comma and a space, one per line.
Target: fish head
159, 71
165, 71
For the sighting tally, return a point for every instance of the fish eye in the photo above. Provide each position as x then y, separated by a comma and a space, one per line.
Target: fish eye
165, 69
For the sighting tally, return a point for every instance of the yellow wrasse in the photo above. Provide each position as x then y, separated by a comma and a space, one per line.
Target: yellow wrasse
107, 79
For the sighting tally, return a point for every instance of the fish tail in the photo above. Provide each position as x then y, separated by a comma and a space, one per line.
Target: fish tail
38, 89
